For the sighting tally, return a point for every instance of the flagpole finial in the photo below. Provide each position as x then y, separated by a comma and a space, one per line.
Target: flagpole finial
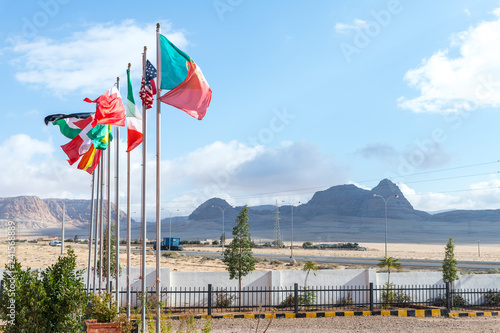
157, 25
129, 66
145, 48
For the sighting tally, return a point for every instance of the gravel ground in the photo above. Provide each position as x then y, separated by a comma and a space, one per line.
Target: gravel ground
358, 324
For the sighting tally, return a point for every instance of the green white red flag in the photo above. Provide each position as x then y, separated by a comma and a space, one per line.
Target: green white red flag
134, 118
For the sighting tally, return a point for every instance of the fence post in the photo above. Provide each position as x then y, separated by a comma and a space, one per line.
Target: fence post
448, 298
209, 299
371, 296
296, 297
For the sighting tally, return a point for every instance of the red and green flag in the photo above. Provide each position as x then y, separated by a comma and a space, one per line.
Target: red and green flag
134, 118
189, 90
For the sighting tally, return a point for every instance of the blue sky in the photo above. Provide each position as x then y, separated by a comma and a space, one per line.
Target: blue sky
306, 95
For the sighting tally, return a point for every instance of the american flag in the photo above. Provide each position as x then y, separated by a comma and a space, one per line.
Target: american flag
148, 86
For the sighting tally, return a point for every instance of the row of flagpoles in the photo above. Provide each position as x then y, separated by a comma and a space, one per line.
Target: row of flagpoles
91, 134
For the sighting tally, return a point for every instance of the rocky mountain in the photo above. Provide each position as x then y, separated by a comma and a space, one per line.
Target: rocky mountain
340, 209
350, 201
33, 213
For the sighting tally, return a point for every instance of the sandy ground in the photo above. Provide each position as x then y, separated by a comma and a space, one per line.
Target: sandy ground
357, 324
41, 255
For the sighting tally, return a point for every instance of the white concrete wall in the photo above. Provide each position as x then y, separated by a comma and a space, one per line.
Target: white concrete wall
286, 279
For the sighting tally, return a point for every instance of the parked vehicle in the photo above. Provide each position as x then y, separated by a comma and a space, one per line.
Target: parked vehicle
55, 243
169, 244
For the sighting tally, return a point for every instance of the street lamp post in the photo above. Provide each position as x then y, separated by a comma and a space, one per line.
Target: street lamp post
223, 235
170, 234
385, 201
291, 236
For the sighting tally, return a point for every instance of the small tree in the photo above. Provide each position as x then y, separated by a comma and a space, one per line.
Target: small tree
389, 263
65, 294
308, 267
112, 255
238, 255
450, 273
308, 297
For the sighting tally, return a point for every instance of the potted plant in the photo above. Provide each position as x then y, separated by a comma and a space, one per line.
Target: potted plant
103, 317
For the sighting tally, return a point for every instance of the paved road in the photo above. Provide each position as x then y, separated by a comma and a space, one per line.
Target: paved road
421, 263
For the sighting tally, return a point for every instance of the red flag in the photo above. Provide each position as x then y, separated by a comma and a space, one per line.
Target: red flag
193, 95
109, 109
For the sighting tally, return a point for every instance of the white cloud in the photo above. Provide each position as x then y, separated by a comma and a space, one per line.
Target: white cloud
234, 171
468, 81
251, 175
89, 60
343, 28
29, 168
481, 195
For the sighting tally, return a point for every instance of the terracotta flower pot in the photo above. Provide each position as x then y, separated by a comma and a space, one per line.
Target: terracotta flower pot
94, 327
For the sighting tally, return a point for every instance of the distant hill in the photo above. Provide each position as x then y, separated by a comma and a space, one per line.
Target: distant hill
340, 210
33, 213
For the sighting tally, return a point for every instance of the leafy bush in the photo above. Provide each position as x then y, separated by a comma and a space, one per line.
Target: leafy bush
100, 309
51, 301
307, 244
189, 242
223, 299
392, 297
307, 297
347, 300
492, 298
440, 301
278, 244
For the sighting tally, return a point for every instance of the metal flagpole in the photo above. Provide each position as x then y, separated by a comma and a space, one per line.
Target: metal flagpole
143, 200
117, 213
158, 173
108, 245
128, 228
91, 230
62, 235
96, 237
101, 223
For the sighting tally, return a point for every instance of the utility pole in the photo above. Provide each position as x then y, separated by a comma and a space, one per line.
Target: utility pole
277, 233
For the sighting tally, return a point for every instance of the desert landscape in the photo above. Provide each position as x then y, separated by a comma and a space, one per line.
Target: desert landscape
41, 255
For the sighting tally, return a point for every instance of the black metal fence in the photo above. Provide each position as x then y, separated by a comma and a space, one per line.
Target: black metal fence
210, 300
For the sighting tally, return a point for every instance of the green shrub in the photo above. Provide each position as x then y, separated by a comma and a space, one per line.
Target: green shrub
307, 297
347, 300
492, 298
392, 297
51, 301
223, 299
100, 309
440, 301
307, 244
